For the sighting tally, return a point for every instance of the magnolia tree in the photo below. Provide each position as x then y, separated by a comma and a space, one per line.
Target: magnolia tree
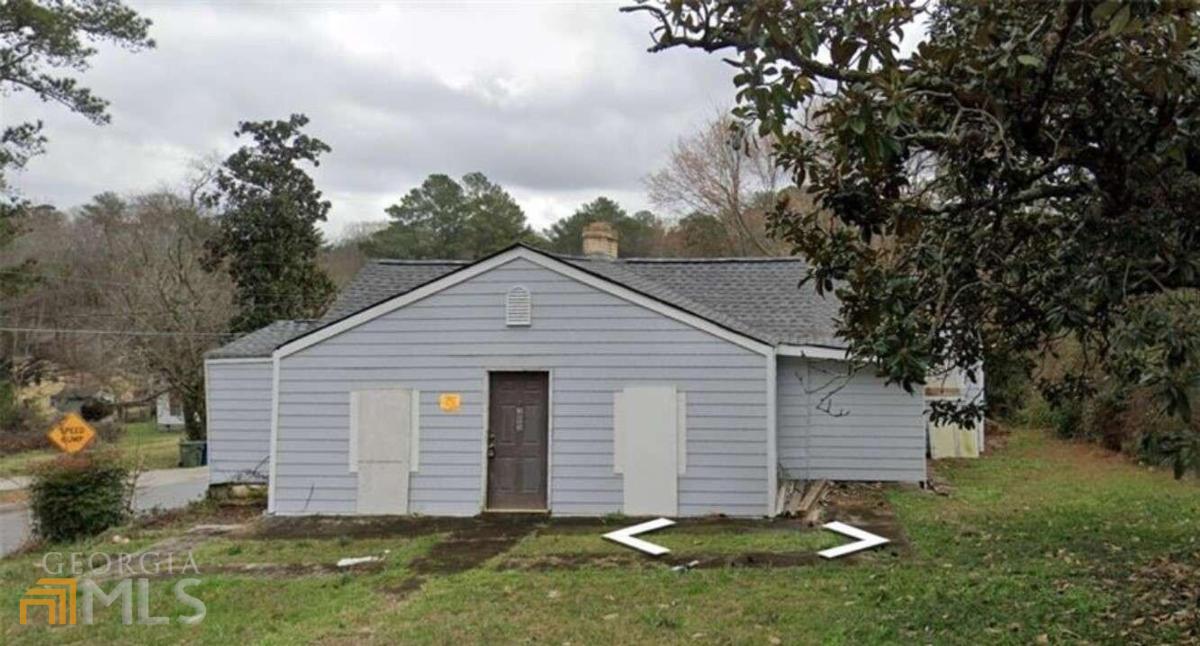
991, 177
268, 207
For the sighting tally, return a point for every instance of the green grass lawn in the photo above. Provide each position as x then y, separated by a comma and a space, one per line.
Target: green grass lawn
158, 449
1042, 541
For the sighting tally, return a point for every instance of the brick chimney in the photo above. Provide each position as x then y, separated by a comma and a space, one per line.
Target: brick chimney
600, 240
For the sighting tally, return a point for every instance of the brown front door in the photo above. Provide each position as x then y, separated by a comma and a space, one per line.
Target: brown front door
518, 421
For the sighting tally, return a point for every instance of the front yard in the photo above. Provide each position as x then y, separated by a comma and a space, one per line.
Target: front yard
1042, 541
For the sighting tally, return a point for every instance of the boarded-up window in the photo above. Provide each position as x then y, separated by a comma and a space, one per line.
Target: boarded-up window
650, 447
384, 445
518, 307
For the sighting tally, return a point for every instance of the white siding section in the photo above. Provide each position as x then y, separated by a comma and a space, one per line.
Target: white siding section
594, 343
239, 421
863, 430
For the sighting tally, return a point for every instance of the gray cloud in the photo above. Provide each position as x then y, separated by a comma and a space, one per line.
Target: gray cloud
557, 103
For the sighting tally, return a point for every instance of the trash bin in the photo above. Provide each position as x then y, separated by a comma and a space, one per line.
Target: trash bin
193, 453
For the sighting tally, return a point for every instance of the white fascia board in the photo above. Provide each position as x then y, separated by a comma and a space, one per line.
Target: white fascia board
547, 262
229, 360
813, 352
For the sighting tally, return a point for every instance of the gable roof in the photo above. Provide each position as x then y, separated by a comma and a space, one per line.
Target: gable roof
380, 280
261, 342
758, 298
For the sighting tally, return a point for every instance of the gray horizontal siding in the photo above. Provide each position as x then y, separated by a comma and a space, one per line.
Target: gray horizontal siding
593, 343
239, 421
863, 430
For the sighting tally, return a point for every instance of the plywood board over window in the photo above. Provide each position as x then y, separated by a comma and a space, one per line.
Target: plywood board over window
384, 441
650, 448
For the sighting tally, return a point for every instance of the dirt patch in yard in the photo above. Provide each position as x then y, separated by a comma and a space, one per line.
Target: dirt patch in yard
318, 527
865, 505
470, 547
471, 542
467, 547
205, 512
686, 561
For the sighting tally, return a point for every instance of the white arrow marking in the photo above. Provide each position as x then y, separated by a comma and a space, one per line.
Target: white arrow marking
866, 540
626, 536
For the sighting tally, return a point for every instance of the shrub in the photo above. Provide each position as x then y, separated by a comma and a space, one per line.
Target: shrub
109, 432
13, 442
10, 414
1106, 419
74, 497
1008, 384
1067, 418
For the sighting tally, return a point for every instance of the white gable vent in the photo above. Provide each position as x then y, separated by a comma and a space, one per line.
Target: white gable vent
518, 307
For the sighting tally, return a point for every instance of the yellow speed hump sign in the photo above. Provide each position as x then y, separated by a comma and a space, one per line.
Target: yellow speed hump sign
71, 434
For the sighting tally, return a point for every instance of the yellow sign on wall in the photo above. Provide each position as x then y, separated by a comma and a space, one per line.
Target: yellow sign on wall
71, 434
450, 402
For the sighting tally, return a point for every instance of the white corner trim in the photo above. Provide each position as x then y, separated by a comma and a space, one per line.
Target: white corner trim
273, 455
352, 451
232, 360
681, 432
772, 435
812, 352
618, 432
536, 258
414, 432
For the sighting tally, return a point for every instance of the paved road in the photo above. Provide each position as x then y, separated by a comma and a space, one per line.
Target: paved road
164, 489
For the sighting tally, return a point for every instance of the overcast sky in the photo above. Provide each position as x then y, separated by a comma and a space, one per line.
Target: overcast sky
557, 102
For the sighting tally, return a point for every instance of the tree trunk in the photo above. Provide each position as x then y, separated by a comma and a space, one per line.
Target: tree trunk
193, 413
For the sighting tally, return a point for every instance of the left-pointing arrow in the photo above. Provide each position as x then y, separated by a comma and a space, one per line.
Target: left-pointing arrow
626, 536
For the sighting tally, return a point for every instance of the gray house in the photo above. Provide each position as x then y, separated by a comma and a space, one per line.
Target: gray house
528, 381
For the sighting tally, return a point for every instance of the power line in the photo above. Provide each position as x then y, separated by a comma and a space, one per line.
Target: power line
258, 294
116, 332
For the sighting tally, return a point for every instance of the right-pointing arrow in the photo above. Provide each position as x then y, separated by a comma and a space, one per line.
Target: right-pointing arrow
866, 540
626, 536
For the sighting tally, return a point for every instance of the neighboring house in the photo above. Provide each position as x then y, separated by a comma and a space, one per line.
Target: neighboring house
528, 381
71, 399
168, 411
952, 440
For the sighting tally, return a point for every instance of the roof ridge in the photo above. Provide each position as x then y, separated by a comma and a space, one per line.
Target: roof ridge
731, 259
407, 261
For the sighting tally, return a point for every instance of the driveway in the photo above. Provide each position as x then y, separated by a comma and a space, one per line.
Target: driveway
162, 489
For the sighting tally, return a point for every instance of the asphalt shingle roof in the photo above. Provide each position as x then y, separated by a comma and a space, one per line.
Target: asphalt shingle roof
380, 280
261, 342
758, 297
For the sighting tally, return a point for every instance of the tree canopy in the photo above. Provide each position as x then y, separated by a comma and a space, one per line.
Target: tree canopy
640, 234
729, 178
444, 218
1025, 172
268, 208
42, 46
